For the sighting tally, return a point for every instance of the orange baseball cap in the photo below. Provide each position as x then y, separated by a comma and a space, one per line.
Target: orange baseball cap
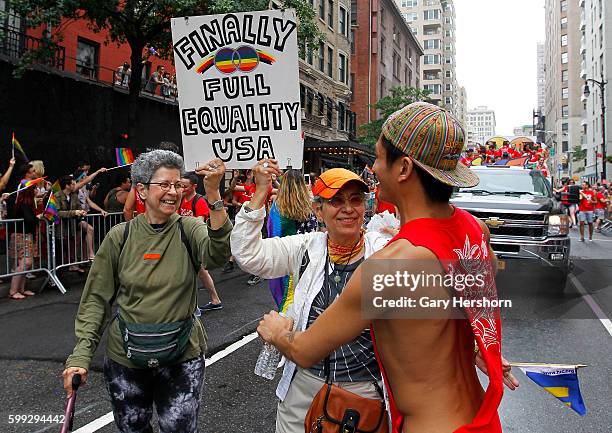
331, 181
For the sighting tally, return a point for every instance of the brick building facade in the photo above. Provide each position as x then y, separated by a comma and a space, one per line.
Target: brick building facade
384, 54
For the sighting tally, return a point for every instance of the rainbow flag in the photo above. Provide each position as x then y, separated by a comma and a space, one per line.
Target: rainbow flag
51, 213
55, 188
28, 183
265, 57
17, 146
124, 156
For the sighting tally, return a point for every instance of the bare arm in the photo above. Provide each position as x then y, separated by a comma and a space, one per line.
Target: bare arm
130, 205
487, 234
92, 204
80, 184
4, 180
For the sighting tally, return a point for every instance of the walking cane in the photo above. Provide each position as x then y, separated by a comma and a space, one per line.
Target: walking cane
69, 415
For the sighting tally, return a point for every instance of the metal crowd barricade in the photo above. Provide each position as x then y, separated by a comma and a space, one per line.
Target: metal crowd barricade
23, 253
53, 247
77, 239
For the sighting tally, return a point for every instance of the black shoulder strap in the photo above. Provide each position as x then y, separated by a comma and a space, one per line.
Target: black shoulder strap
194, 202
126, 233
185, 241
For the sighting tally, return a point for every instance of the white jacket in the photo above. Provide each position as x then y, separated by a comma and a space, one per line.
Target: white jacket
277, 257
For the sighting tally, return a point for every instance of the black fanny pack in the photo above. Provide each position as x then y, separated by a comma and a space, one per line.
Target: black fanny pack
151, 345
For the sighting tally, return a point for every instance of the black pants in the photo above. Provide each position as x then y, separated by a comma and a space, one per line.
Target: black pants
175, 390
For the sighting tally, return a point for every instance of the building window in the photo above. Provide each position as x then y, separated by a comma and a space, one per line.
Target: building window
341, 117
431, 14
383, 87
431, 59
322, 58
565, 111
353, 41
330, 61
564, 93
565, 75
448, 74
563, 5
87, 58
396, 64
352, 86
435, 89
411, 16
427, 75
564, 40
342, 68
353, 12
563, 23
320, 104
382, 16
309, 98
309, 56
330, 13
564, 146
564, 58
449, 87
322, 9
330, 108
342, 22
382, 50
409, 3
431, 44
448, 60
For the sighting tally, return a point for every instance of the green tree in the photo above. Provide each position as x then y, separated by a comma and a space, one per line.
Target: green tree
579, 154
399, 98
142, 24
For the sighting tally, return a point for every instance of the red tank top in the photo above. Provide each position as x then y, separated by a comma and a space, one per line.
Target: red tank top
459, 244
140, 206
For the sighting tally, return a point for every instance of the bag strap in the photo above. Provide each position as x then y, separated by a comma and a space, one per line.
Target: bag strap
326, 362
185, 241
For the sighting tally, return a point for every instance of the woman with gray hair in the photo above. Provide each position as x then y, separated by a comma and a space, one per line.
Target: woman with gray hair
149, 267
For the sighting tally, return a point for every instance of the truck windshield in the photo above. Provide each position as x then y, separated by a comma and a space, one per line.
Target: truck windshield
510, 182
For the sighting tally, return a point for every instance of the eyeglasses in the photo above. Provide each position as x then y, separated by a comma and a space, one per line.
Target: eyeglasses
338, 201
165, 186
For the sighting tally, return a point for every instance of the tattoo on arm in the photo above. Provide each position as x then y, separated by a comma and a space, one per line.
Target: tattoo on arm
290, 336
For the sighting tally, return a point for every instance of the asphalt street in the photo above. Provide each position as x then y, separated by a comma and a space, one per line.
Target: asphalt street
38, 334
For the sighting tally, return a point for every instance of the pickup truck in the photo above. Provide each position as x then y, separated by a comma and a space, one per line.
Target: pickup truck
525, 221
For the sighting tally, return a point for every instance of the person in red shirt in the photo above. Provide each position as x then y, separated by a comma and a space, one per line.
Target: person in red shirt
491, 151
380, 205
417, 172
468, 158
600, 207
586, 208
194, 205
541, 165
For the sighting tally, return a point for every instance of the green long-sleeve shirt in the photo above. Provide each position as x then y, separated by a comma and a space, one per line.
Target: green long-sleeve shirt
156, 279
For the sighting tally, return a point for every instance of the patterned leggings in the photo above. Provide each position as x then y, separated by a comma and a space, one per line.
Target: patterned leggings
175, 390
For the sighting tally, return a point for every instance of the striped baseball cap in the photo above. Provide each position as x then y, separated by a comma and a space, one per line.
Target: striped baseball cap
433, 138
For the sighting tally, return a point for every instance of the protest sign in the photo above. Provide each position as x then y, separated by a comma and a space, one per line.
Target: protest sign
238, 88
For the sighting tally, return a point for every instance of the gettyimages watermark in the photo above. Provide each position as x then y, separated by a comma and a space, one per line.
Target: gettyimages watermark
428, 289
523, 290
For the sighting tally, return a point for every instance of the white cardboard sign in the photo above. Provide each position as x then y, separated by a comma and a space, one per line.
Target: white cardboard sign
238, 88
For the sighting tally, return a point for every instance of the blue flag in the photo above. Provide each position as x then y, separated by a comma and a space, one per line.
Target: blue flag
559, 380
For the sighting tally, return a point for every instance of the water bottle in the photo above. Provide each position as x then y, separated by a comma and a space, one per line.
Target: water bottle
268, 360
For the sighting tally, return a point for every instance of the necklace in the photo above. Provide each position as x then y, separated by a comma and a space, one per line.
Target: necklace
335, 257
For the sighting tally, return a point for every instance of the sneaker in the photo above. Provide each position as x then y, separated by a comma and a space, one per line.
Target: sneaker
229, 267
30, 276
590, 239
581, 239
253, 280
210, 306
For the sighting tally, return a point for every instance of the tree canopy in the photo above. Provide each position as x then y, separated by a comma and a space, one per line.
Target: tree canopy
399, 98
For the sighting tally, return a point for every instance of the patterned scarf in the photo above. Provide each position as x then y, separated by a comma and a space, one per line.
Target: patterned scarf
343, 254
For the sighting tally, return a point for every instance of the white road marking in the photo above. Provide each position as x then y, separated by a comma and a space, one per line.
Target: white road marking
605, 321
106, 419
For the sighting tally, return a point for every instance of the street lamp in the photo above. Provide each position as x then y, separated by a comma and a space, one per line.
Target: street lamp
587, 93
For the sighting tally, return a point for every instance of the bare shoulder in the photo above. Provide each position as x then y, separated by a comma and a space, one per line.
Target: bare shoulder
405, 250
484, 227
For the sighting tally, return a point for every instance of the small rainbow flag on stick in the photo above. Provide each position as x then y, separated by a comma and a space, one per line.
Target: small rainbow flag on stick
17, 146
124, 156
28, 183
51, 213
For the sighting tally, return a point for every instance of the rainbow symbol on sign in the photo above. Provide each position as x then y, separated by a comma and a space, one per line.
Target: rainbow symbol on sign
229, 60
